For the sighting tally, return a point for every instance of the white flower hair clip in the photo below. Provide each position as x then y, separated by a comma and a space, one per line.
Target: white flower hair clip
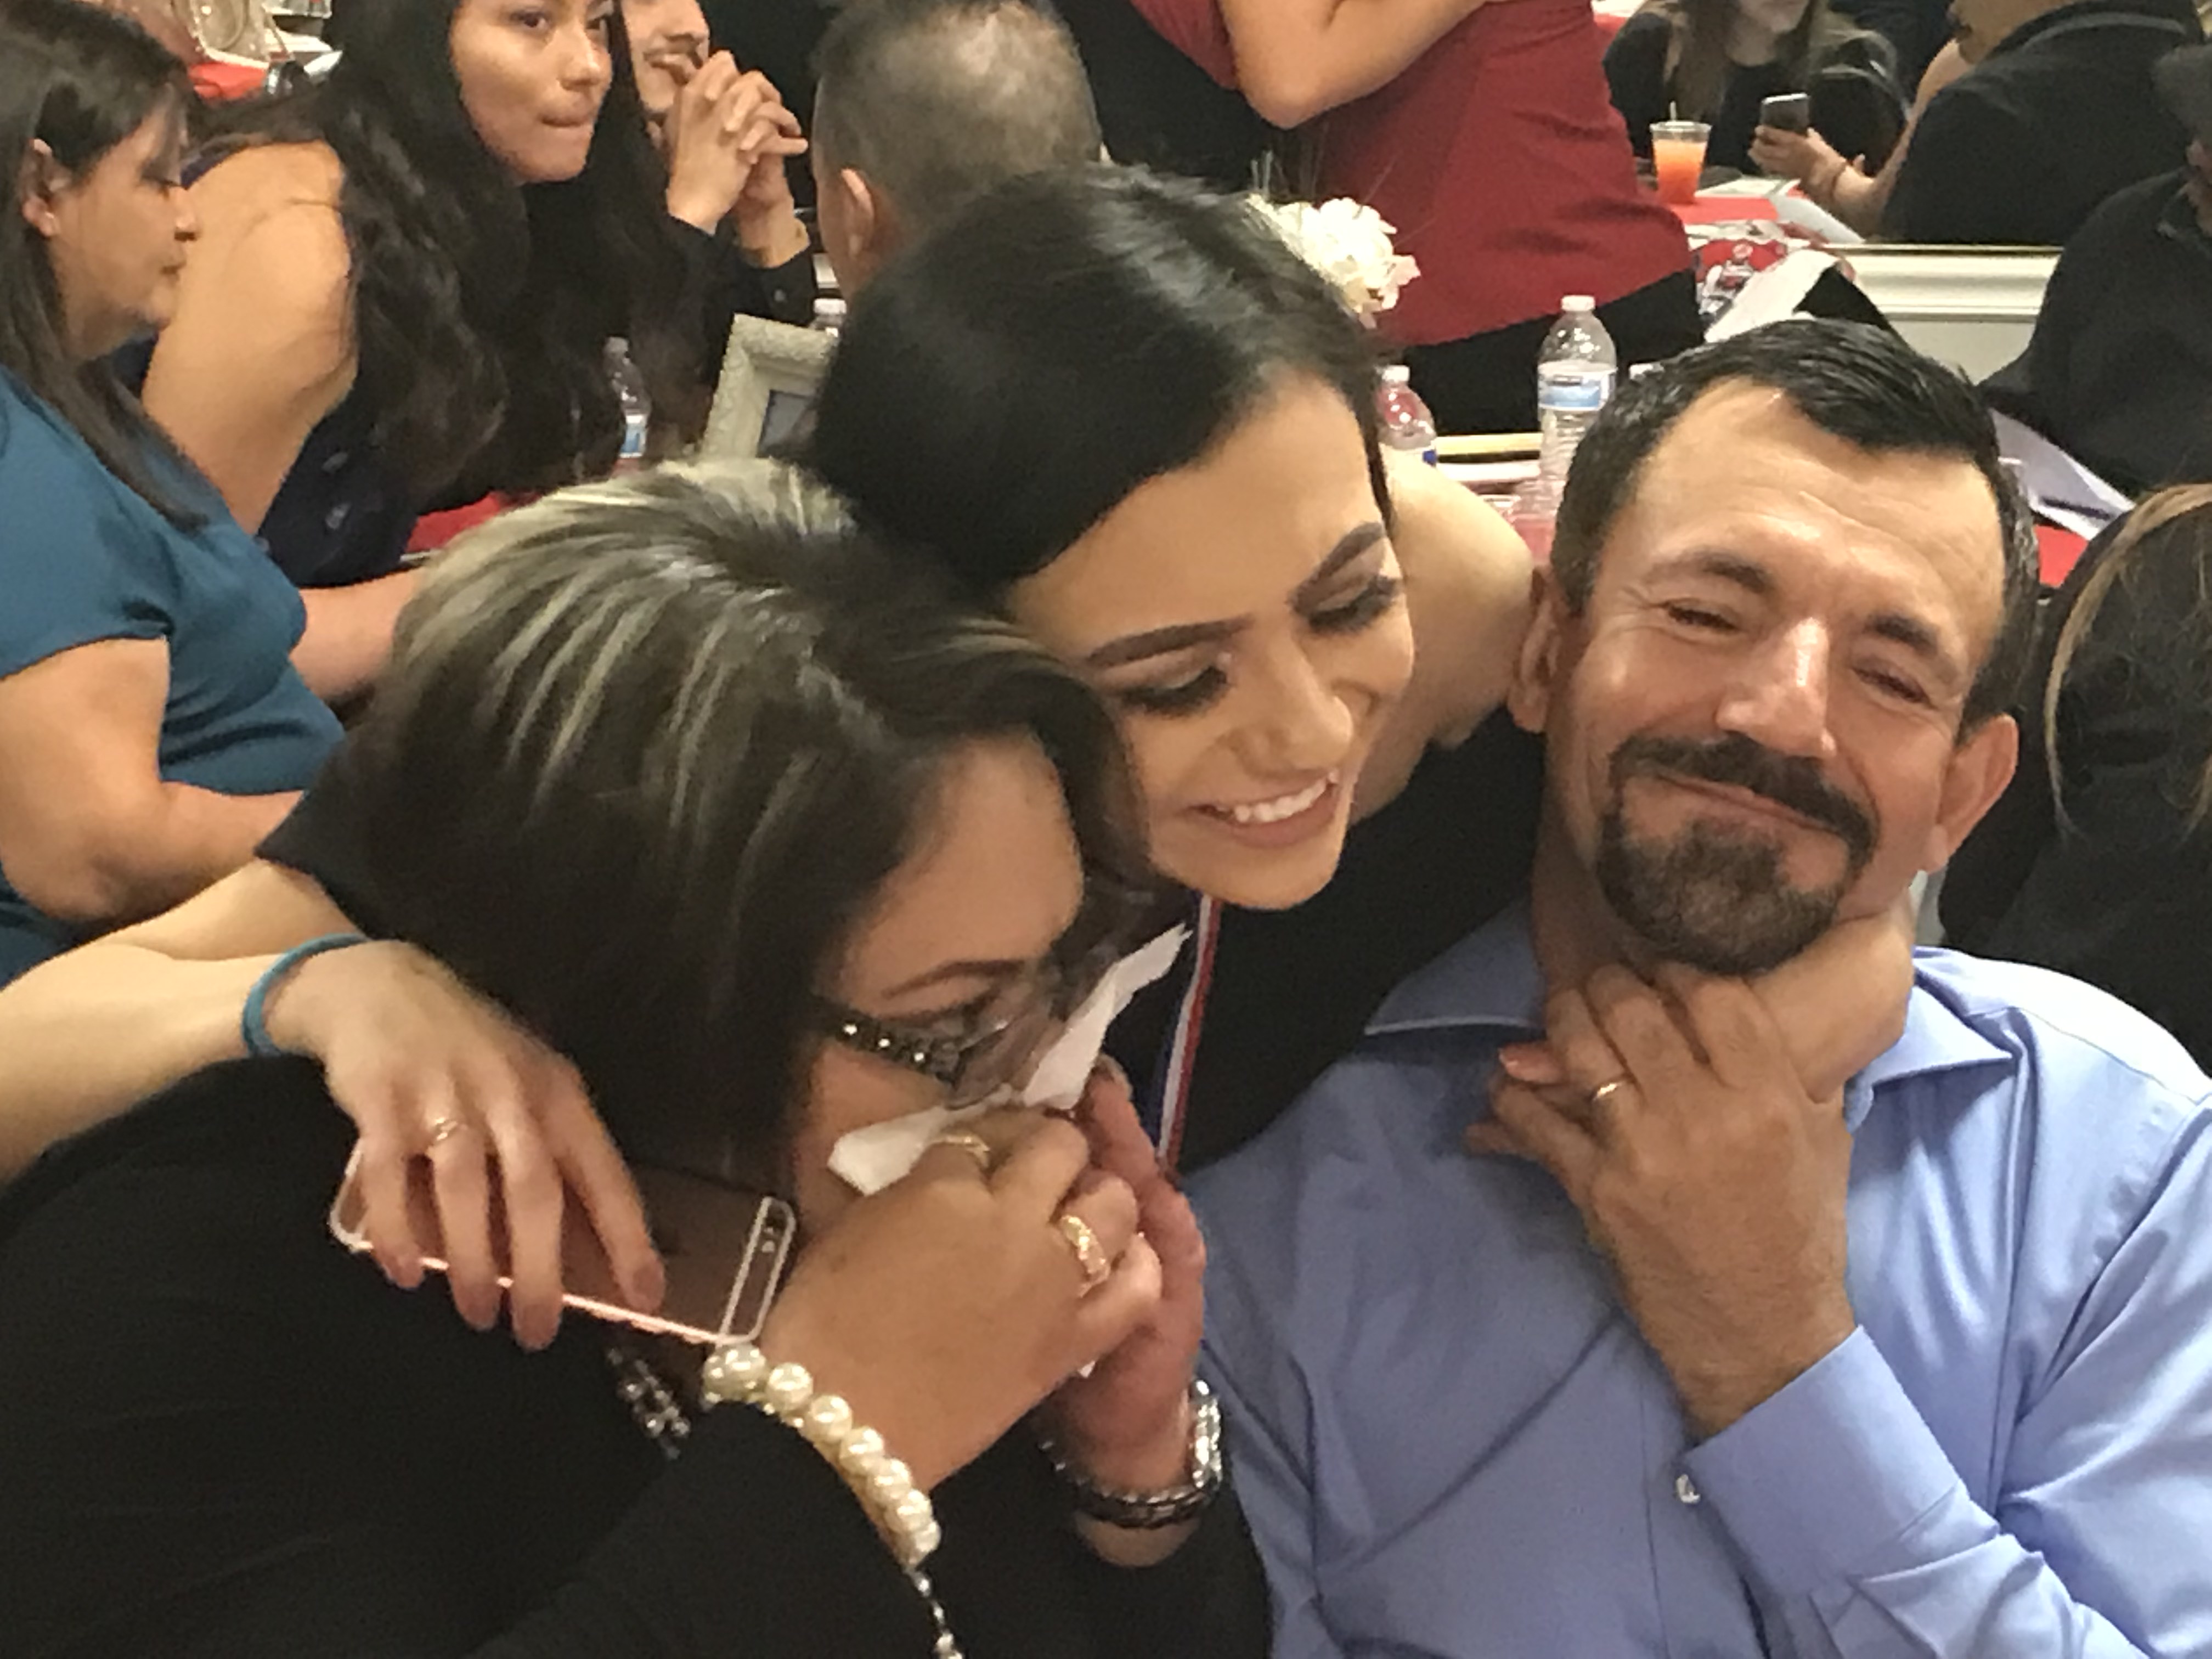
1349, 243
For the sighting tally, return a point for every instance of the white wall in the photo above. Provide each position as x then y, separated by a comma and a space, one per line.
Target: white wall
1972, 307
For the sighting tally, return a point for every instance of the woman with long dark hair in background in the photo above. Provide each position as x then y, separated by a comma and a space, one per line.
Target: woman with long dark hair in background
1717, 61
152, 727
406, 281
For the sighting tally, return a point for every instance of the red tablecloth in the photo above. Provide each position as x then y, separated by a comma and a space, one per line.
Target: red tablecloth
1727, 210
219, 82
434, 530
2061, 551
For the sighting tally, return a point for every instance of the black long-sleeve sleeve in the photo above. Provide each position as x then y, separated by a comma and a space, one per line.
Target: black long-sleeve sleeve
727, 285
221, 1435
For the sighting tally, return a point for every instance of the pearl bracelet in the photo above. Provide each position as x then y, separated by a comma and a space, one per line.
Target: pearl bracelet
739, 1373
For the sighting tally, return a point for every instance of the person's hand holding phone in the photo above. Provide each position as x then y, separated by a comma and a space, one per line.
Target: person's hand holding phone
430, 1071
1805, 156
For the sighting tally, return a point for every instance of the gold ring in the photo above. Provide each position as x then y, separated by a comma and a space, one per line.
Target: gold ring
1605, 1091
1090, 1253
974, 1145
444, 1130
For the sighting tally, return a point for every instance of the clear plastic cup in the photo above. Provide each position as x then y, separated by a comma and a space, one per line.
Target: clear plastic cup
1678, 157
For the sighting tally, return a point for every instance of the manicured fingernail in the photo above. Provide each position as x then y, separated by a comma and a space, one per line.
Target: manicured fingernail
1522, 1065
646, 1285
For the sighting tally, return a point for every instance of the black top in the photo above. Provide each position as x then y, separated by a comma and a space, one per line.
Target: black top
2059, 116
1291, 990
340, 517
1856, 105
2123, 898
1156, 107
222, 1437
2119, 372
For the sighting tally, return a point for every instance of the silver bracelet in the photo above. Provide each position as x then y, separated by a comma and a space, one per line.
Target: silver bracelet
1147, 1511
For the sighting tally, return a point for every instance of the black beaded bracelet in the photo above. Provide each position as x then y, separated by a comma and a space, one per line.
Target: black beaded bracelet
1147, 1511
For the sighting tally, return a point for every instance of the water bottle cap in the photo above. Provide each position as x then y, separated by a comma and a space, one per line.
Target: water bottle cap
1397, 374
1578, 302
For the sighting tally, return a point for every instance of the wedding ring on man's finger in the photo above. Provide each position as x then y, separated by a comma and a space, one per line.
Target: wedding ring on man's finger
1097, 1266
443, 1131
1601, 1096
974, 1145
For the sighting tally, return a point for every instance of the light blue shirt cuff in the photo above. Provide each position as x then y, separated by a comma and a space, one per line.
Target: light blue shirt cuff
1813, 1482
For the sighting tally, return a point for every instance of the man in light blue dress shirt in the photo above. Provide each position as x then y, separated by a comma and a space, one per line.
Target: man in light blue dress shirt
1648, 1347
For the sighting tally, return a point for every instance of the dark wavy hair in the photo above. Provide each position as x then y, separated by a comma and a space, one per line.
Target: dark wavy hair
79, 80
1006, 383
481, 307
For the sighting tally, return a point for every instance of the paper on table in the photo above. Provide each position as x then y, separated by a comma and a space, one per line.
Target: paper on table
868, 1160
2059, 487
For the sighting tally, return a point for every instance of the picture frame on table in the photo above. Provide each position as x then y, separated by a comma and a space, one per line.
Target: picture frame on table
770, 372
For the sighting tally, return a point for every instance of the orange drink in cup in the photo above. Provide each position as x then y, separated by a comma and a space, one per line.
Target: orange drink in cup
1678, 156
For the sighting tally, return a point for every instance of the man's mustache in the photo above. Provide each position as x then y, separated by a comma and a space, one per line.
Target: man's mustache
1737, 762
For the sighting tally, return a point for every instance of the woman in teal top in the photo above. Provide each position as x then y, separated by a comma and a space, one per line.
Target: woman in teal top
152, 725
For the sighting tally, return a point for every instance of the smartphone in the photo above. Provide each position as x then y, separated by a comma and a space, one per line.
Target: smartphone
1787, 112
725, 1248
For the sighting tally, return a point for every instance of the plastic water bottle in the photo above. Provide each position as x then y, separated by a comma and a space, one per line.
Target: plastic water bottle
1575, 378
636, 406
1406, 424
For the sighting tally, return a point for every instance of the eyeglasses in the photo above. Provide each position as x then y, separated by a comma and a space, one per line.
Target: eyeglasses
974, 1067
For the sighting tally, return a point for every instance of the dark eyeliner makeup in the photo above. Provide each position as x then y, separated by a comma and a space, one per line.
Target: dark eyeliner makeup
1371, 603
1186, 698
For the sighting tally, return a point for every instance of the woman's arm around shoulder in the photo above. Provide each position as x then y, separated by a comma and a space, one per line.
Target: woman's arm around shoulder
261, 346
91, 1032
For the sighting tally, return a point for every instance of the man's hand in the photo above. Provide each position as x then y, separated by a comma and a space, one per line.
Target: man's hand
1711, 1180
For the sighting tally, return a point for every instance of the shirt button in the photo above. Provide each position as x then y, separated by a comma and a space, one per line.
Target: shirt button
1686, 1490
338, 460
335, 518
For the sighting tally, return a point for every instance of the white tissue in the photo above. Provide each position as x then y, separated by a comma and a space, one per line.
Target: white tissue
868, 1160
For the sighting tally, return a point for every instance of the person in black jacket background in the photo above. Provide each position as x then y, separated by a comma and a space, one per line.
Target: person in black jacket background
2058, 113
2119, 371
